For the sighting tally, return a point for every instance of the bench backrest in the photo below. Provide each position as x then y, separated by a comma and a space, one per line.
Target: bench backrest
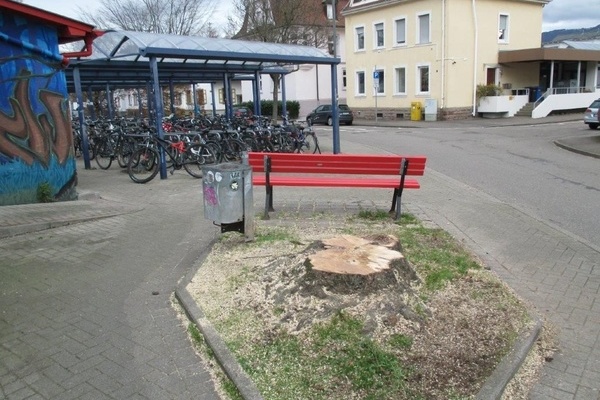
368, 164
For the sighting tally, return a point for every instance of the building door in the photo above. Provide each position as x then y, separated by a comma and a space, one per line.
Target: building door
491, 76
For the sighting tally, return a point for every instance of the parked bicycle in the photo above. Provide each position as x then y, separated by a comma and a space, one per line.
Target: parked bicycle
144, 162
303, 138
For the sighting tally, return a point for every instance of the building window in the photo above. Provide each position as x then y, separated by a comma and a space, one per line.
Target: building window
423, 79
360, 83
400, 31
379, 35
379, 81
503, 28
360, 38
400, 80
423, 22
344, 83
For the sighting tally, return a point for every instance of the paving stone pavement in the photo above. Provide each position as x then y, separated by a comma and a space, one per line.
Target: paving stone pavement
78, 317
559, 274
86, 307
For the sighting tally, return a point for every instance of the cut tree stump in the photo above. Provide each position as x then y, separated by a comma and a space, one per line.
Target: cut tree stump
352, 264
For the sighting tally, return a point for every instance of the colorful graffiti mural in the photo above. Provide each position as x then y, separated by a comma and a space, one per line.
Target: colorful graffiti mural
36, 141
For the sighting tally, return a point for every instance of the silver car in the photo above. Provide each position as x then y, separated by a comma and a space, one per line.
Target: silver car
590, 117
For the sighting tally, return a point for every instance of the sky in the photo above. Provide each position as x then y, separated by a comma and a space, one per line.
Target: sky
558, 14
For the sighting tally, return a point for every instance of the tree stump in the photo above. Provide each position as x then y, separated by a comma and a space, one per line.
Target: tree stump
349, 264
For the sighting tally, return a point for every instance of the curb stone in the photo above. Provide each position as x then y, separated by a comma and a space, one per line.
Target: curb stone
505, 371
226, 360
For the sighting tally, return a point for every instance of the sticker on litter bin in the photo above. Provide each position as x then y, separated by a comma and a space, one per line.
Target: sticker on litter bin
210, 177
234, 185
210, 196
218, 177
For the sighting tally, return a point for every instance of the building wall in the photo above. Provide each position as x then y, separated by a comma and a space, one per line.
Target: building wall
36, 142
310, 85
457, 58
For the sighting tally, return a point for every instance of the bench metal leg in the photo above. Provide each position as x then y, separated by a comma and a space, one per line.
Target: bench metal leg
398, 208
268, 201
396, 204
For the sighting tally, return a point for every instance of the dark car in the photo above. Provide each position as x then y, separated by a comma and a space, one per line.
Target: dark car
591, 117
242, 112
323, 115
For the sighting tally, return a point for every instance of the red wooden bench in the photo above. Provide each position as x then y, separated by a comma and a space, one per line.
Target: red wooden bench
336, 170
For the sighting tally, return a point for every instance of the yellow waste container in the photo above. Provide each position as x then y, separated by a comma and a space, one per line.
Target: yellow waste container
415, 111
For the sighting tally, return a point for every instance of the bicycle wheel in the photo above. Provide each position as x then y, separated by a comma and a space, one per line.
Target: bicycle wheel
196, 156
104, 154
124, 153
143, 165
234, 150
310, 144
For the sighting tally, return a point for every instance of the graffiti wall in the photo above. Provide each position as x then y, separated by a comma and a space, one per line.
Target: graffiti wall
37, 161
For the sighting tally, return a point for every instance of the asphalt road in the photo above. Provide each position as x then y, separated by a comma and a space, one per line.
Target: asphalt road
518, 165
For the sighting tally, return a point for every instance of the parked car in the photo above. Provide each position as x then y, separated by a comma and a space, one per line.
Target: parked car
323, 115
242, 112
590, 117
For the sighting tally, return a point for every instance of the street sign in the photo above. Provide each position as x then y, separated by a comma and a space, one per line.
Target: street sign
376, 75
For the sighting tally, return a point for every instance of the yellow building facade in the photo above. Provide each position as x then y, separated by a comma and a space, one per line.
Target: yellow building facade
405, 53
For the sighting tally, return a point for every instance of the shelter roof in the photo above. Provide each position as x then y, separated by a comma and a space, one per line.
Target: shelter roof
135, 46
122, 58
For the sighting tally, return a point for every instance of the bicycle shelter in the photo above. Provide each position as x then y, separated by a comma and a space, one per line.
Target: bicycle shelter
130, 59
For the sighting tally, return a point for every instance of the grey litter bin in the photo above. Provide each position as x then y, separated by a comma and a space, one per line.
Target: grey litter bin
228, 199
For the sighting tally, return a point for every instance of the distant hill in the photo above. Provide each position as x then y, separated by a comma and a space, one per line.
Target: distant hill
571, 34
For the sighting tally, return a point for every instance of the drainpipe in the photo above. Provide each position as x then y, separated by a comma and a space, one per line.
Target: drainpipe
475, 57
443, 94
87, 49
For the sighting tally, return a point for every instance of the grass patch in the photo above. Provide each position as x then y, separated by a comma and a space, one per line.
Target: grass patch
274, 235
328, 362
437, 257
44, 193
373, 215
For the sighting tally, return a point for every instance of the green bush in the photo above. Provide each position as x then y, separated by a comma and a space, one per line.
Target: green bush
266, 107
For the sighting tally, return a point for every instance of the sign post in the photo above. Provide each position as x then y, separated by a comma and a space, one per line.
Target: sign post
376, 89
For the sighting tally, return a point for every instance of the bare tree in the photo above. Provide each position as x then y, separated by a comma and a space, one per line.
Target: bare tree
179, 17
279, 21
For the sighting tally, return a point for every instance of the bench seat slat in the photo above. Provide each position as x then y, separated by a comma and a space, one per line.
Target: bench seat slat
260, 180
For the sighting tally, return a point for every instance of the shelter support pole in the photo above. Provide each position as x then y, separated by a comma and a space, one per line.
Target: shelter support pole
335, 113
283, 99
551, 75
213, 98
82, 127
109, 102
150, 102
195, 96
227, 95
139, 98
90, 99
172, 96
159, 114
257, 107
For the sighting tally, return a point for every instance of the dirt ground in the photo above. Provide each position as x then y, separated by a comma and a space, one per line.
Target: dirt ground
457, 331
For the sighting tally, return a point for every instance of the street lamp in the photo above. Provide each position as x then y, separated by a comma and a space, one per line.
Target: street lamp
330, 13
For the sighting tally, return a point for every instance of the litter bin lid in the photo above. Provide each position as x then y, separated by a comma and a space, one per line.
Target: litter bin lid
227, 167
